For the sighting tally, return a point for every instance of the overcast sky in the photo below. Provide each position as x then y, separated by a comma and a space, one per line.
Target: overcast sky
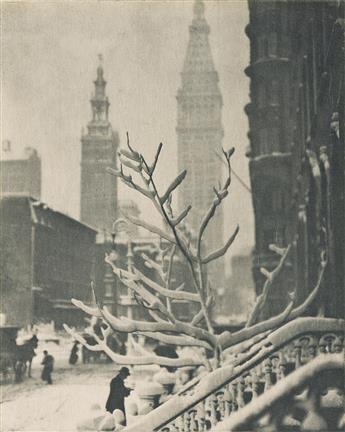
50, 58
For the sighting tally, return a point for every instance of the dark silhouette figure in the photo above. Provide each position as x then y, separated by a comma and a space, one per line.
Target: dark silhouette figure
48, 365
73, 358
23, 357
118, 392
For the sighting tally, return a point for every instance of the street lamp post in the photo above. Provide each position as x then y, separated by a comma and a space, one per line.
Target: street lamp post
121, 225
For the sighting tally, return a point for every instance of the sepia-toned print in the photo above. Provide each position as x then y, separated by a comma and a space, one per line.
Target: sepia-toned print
172, 215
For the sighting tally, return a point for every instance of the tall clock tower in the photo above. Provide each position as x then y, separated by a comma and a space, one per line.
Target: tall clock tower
199, 136
98, 206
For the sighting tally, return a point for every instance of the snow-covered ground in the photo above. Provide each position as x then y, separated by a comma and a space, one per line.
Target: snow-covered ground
37, 407
78, 393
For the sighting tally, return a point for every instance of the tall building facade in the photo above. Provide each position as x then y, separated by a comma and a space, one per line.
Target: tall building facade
98, 206
199, 135
296, 120
21, 176
46, 258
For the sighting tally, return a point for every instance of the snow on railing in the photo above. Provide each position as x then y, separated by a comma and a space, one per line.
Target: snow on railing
229, 388
322, 408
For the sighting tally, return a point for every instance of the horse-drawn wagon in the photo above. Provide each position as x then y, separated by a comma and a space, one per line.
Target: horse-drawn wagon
15, 359
8, 335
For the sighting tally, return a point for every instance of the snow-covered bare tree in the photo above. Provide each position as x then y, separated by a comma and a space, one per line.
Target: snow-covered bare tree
157, 297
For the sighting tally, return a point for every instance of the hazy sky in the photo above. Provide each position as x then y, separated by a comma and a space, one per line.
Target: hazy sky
49, 63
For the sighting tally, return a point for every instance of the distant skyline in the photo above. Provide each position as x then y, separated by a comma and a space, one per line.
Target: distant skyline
50, 56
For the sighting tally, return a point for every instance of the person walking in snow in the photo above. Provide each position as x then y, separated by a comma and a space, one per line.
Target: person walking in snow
118, 392
73, 358
48, 365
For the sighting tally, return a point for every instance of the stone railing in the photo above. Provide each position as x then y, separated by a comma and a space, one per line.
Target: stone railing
310, 399
222, 393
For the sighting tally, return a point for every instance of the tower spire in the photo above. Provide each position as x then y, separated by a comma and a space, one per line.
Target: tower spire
199, 9
100, 82
199, 133
98, 201
99, 101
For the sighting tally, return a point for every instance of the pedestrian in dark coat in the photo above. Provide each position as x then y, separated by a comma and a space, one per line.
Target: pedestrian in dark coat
48, 365
73, 358
118, 392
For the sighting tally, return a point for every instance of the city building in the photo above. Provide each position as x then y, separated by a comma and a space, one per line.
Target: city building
20, 176
98, 200
239, 294
199, 136
47, 258
126, 252
128, 207
296, 121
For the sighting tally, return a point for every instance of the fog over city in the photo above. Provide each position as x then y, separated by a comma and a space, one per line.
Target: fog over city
50, 56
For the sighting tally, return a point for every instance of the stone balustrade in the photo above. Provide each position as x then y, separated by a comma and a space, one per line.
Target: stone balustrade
310, 399
221, 394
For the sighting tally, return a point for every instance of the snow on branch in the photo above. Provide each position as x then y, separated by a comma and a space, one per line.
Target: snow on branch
221, 251
220, 196
153, 264
299, 310
178, 327
177, 295
227, 339
132, 360
176, 182
270, 278
177, 340
150, 301
152, 228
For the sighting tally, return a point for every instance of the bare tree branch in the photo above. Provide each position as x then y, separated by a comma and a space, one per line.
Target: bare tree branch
151, 302
152, 228
226, 339
153, 264
178, 295
270, 278
222, 251
133, 360
299, 310
177, 340
175, 183
142, 326
216, 202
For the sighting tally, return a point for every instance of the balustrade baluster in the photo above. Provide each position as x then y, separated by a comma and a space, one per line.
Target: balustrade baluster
298, 353
186, 422
282, 366
240, 392
179, 422
338, 344
220, 404
227, 402
200, 416
322, 346
268, 372
254, 384
213, 405
312, 348
234, 396
193, 422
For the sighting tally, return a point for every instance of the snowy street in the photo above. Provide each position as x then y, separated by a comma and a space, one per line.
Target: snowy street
35, 406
